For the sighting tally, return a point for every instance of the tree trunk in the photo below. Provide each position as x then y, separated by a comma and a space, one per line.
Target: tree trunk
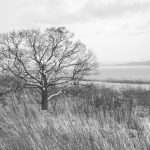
44, 103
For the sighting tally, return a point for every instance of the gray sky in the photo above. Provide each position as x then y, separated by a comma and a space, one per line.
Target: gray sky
116, 30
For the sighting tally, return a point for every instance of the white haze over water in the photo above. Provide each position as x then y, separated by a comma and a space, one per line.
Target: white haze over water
124, 73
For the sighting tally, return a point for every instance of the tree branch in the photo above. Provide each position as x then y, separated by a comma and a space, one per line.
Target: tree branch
59, 92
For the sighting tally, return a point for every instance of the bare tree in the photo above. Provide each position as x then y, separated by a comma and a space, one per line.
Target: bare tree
42, 59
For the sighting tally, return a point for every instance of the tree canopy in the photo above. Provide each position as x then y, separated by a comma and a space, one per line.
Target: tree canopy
41, 59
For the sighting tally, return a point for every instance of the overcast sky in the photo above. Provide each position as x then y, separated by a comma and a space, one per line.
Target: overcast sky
116, 30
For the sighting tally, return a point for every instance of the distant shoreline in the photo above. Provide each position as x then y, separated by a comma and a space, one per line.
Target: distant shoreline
138, 63
126, 81
119, 81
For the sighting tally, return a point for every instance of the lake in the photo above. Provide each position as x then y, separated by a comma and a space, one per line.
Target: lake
123, 72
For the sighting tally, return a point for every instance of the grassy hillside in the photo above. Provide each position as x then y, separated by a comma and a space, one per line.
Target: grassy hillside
87, 118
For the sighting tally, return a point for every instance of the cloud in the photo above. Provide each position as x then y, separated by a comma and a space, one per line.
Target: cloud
37, 13
71, 11
137, 26
114, 8
53, 11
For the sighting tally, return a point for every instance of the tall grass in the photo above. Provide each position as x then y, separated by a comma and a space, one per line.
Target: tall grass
89, 118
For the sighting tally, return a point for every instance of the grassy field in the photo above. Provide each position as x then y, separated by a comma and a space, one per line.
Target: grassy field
87, 118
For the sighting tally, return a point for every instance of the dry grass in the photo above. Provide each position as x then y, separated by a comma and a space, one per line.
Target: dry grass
94, 119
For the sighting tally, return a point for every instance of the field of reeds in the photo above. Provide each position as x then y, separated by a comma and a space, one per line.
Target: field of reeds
87, 118
125, 81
